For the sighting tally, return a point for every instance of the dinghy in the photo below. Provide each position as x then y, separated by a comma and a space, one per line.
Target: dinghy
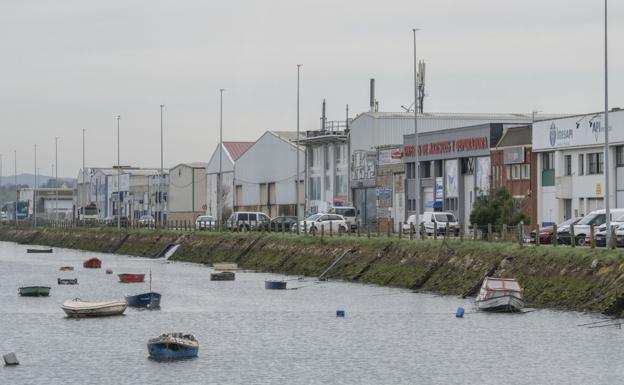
34, 291
67, 281
78, 308
38, 250
222, 276
500, 295
173, 346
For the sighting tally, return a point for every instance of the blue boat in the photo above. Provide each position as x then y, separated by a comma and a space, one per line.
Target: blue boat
275, 285
149, 300
173, 346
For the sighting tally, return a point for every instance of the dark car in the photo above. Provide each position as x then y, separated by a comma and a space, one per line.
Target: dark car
563, 231
284, 223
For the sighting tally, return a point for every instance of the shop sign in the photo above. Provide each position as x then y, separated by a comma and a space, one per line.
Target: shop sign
394, 156
598, 189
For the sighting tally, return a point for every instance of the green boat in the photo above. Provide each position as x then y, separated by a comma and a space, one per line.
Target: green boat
34, 291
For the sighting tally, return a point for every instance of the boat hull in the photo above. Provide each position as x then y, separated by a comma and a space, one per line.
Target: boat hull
75, 309
67, 281
160, 351
34, 291
92, 263
275, 285
38, 250
131, 278
146, 300
504, 303
222, 276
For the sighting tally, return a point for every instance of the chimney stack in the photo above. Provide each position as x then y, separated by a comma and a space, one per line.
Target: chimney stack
372, 95
323, 117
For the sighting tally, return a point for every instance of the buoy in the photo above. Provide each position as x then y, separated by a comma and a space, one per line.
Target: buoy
340, 313
460, 312
10, 359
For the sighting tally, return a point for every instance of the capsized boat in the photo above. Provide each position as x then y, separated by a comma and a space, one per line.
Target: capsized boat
39, 250
500, 295
149, 300
222, 276
131, 278
67, 281
173, 346
92, 263
78, 308
34, 291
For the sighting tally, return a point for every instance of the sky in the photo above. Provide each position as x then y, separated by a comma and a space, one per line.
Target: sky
69, 65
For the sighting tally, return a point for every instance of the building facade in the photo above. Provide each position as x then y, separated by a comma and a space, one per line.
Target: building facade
570, 164
187, 191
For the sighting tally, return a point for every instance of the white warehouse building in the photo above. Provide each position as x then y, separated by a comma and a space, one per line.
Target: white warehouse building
571, 165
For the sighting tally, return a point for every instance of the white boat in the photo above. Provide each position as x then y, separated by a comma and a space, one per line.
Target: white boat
500, 295
78, 308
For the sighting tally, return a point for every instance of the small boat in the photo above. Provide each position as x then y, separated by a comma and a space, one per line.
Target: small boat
131, 278
67, 281
149, 300
500, 295
109, 271
222, 276
225, 266
173, 346
39, 250
92, 263
34, 291
66, 268
78, 308
275, 285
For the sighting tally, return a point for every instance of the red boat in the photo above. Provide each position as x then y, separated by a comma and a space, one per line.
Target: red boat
129, 278
92, 263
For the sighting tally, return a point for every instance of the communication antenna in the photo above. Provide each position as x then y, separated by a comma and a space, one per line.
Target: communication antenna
420, 79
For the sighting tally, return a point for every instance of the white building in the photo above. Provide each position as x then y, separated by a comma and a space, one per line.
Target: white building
571, 165
187, 191
51, 203
232, 151
265, 175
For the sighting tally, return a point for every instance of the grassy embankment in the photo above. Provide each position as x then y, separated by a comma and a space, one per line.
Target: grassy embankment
562, 277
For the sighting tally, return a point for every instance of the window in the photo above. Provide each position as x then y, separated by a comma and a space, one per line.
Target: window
581, 164
508, 172
567, 164
467, 166
595, 163
515, 172
315, 188
425, 169
411, 171
526, 171
548, 161
438, 168
619, 156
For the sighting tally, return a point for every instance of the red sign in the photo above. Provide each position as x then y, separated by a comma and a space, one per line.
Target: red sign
448, 146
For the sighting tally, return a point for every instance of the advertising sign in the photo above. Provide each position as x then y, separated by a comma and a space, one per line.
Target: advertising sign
393, 156
439, 187
449, 144
363, 165
483, 174
451, 178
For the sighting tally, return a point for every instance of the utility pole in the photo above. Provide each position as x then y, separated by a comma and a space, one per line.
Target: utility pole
56, 177
606, 128
220, 179
118, 179
160, 177
297, 152
84, 178
35, 191
417, 164
16, 191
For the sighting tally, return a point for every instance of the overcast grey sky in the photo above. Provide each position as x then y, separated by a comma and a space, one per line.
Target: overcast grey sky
68, 65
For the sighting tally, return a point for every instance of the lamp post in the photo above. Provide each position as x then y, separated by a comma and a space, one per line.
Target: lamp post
84, 193
118, 179
417, 164
220, 179
35, 191
56, 178
160, 177
606, 128
297, 151
16, 192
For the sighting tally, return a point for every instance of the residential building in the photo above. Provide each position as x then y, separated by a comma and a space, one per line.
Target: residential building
265, 175
227, 157
187, 191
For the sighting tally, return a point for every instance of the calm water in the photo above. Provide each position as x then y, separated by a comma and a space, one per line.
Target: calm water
249, 335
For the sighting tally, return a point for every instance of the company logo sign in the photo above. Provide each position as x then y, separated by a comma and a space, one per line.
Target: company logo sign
560, 136
596, 129
448, 147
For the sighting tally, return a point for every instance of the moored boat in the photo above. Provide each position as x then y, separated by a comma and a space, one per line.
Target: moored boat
34, 291
66, 268
67, 281
131, 278
500, 295
109, 271
92, 263
39, 250
275, 285
79, 309
149, 300
173, 346
222, 276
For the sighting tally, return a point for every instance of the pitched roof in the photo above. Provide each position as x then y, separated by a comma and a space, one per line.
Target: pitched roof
516, 136
237, 149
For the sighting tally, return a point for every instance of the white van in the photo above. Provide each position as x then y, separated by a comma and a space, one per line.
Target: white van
582, 229
440, 220
248, 220
349, 213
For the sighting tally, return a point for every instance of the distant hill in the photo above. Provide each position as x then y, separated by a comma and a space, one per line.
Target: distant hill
29, 180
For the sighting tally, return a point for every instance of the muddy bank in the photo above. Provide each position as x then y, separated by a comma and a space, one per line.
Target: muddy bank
578, 279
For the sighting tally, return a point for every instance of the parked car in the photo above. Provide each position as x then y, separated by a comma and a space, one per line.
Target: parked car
349, 213
407, 226
547, 232
328, 222
205, 222
582, 228
112, 221
4, 217
147, 221
440, 220
601, 232
248, 221
283, 223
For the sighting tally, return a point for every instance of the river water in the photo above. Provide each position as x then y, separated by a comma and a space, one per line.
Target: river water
249, 335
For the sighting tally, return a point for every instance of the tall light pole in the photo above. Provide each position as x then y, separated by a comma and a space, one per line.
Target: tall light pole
297, 151
15, 176
83, 198
417, 164
56, 177
35, 191
160, 177
220, 180
606, 128
118, 179
1, 202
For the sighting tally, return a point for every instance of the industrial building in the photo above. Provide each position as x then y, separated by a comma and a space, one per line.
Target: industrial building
187, 191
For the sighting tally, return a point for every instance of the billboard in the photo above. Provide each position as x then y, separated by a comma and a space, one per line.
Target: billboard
451, 172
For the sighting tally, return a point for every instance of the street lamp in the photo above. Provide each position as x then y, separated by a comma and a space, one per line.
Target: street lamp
417, 164
56, 178
118, 179
220, 180
297, 151
160, 177
35, 191
606, 128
